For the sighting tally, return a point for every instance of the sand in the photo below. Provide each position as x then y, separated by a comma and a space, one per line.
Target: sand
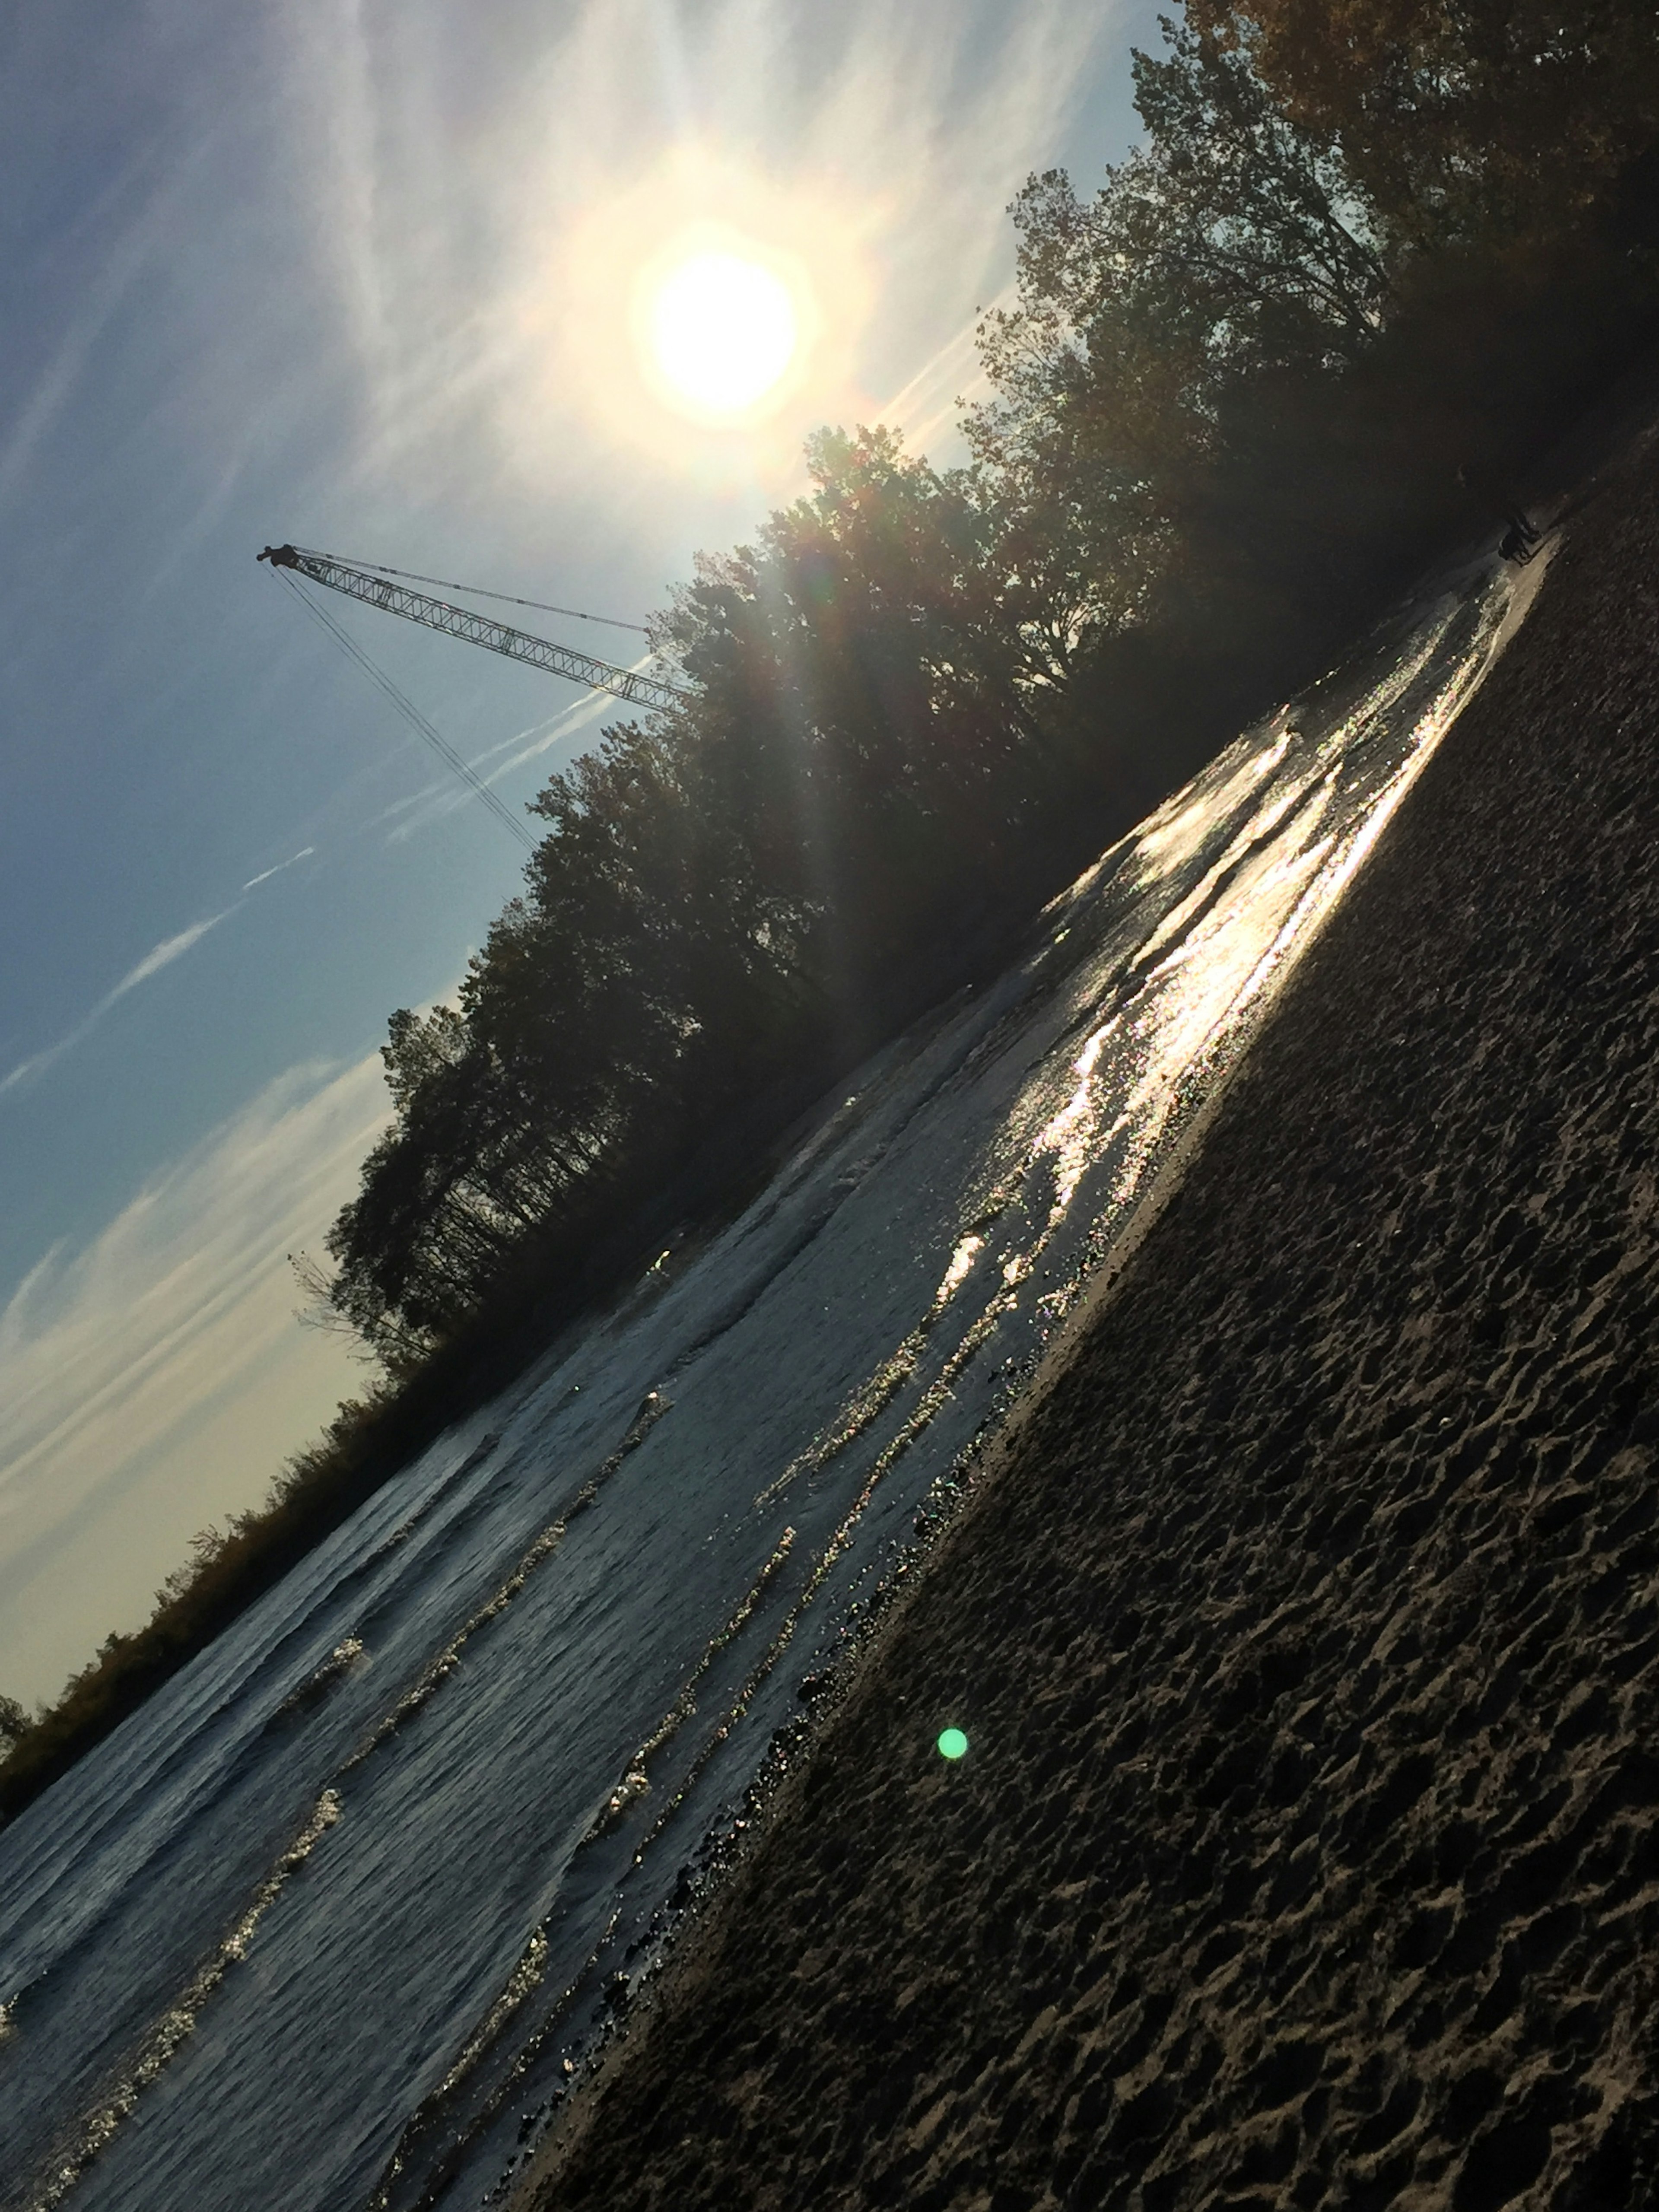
1306, 1636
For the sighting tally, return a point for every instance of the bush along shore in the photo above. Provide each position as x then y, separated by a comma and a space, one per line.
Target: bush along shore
1299, 341
1303, 1631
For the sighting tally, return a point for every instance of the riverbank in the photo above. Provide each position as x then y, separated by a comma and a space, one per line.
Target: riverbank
1306, 1849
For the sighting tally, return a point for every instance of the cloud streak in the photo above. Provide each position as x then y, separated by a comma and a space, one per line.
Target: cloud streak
304, 854
927, 407
159, 957
444, 795
163, 956
103, 295
132, 1371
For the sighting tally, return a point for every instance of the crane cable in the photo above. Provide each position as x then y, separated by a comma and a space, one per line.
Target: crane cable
411, 713
472, 590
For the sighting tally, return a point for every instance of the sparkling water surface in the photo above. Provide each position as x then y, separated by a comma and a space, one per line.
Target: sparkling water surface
317, 1928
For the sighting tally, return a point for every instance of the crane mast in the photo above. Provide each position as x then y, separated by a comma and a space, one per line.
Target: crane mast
396, 599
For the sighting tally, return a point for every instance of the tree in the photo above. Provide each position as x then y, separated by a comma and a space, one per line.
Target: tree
1231, 246
869, 752
1459, 120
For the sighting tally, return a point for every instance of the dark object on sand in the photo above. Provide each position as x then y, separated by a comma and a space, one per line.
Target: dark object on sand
1521, 533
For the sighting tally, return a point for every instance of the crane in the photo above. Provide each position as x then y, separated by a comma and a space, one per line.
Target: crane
390, 592
397, 599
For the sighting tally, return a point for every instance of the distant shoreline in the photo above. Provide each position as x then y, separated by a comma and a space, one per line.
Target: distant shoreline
1307, 1640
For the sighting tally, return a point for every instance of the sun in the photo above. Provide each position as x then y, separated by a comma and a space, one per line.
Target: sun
699, 318
722, 331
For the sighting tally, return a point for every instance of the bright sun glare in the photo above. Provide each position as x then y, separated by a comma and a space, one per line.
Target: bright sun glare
723, 331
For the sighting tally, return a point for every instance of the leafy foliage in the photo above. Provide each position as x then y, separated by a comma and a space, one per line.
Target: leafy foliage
1231, 242
1459, 118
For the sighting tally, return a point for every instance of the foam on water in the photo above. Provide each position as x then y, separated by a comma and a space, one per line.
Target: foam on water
324, 1924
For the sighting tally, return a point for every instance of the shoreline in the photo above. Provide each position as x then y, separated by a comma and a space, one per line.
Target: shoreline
898, 1974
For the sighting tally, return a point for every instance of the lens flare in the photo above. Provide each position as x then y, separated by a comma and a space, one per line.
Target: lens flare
953, 1743
723, 331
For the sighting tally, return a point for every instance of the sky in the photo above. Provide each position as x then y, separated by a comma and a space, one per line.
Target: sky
369, 276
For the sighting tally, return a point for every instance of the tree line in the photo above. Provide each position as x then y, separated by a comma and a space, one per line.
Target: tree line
1356, 245
1362, 246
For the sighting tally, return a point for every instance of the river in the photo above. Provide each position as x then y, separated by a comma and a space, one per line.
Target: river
327, 1923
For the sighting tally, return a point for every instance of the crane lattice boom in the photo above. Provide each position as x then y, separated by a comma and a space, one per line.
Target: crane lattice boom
394, 599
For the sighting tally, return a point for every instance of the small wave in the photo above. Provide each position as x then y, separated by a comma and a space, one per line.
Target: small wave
531, 1964
933, 1399
867, 1404
685, 1705
176, 2025
653, 1407
635, 1783
474, 1460
311, 1692
445, 1664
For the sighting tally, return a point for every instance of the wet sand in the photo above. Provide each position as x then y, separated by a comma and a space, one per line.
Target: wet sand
1306, 1634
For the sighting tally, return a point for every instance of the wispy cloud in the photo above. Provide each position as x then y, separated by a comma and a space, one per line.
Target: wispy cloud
160, 957
444, 795
927, 407
154, 1379
163, 956
149, 212
902, 133
304, 854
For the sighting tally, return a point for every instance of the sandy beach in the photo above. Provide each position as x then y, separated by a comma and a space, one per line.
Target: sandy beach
1306, 1634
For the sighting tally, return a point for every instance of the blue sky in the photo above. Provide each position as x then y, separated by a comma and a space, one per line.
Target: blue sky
355, 273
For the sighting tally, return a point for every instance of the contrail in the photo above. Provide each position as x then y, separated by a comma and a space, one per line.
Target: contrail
303, 855
160, 956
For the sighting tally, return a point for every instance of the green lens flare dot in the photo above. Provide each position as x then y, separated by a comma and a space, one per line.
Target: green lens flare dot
953, 1743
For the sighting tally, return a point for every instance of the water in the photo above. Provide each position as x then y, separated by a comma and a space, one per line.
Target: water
319, 1926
